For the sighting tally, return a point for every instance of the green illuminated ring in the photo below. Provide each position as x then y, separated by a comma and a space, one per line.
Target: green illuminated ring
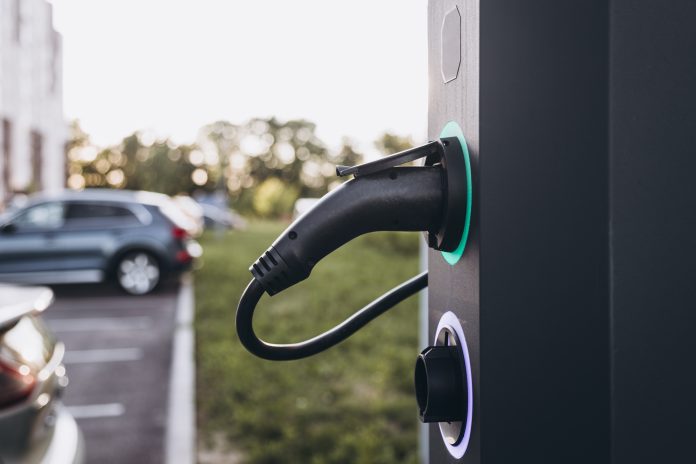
452, 129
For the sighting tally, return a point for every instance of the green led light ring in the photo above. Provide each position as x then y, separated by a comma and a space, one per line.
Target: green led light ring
452, 129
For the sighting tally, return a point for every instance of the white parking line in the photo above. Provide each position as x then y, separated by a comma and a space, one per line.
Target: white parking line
100, 356
99, 323
91, 411
111, 305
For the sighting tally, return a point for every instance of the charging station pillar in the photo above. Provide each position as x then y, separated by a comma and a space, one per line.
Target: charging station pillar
577, 288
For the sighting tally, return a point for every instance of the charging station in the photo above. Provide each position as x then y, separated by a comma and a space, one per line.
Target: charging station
559, 209
576, 286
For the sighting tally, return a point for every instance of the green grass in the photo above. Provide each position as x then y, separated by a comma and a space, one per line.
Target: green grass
353, 403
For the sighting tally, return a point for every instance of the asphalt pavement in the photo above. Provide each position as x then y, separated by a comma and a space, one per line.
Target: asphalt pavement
118, 359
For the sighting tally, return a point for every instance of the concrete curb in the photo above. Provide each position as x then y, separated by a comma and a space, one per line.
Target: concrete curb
180, 441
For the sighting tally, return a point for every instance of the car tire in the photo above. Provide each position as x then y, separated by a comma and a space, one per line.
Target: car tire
137, 272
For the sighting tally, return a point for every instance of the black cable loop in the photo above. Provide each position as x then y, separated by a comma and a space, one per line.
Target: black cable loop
291, 351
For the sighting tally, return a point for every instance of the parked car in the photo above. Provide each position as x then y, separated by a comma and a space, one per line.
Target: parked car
35, 427
193, 211
219, 218
135, 239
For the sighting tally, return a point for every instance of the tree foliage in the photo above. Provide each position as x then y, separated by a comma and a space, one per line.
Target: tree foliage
389, 143
262, 166
158, 167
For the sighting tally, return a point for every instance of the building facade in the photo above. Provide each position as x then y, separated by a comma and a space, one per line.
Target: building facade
34, 132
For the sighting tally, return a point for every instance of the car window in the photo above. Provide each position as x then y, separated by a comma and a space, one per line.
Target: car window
98, 214
96, 210
43, 216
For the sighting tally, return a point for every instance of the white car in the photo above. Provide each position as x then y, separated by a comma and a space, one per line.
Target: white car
35, 427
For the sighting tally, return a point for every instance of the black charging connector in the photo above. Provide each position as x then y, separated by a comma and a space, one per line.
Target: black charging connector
399, 198
439, 383
382, 196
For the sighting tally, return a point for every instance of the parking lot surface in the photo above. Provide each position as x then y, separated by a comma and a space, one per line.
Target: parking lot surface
118, 358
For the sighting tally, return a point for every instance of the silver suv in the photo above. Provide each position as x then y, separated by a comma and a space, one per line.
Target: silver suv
132, 238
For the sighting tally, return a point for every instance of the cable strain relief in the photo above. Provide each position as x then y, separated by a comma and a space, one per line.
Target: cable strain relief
272, 272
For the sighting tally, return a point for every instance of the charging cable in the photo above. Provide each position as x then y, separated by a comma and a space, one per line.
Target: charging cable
382, 196
290, 351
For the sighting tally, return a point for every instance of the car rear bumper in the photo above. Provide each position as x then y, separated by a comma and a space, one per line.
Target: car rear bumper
183, 260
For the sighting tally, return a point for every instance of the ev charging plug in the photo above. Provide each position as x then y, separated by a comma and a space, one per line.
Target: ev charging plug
382, 196
444, 385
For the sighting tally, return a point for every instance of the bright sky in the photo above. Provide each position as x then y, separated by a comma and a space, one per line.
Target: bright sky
356, 68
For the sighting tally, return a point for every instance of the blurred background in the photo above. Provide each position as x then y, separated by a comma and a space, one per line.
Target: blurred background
236, 113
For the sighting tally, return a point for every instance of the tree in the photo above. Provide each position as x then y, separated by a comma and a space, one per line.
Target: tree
274, 198
264, 164
390, 143
265, 149
160, 167
347, 155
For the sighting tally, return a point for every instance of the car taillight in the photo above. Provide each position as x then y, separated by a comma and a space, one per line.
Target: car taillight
16, 383
179, 233
25, 350
183, 256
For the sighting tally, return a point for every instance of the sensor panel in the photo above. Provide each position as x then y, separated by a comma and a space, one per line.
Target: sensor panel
451, 44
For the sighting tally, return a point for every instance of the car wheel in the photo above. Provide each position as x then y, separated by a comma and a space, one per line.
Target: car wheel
137, 273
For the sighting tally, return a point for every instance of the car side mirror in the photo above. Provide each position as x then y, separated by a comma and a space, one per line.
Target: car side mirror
8, 228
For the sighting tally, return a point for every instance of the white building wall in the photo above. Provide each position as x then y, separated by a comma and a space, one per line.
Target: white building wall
31, 98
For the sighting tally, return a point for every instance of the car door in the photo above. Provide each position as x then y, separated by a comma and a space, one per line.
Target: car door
25, 240
91, 233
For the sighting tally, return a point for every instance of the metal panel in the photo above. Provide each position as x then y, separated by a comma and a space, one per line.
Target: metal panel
456, 288
653, 230
532, 288
578, 290
544, 252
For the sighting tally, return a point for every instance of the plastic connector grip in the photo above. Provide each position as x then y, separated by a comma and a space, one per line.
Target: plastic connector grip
397, 199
